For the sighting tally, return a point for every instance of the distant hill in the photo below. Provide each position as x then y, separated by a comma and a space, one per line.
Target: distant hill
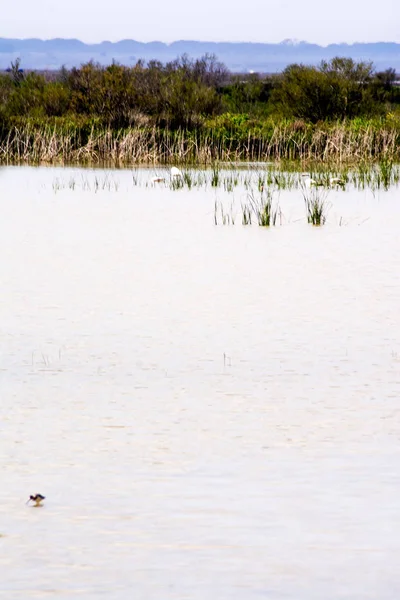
238, 57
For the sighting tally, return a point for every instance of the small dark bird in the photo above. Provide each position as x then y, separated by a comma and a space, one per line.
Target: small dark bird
37, 499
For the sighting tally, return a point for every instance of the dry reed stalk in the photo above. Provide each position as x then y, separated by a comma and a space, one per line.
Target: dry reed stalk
340, 144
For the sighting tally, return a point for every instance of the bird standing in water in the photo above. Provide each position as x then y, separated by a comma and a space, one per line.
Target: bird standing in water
37, 499
176, 173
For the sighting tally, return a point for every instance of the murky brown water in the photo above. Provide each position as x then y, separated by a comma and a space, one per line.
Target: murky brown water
211, 412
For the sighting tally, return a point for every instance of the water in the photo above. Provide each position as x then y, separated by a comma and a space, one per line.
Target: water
211, 412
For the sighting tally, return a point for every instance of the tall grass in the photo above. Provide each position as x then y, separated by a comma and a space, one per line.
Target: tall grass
86, 184
317, 207
340, 143
225, 216
263, 208
259, 184
260, 207
385, 172
215, 175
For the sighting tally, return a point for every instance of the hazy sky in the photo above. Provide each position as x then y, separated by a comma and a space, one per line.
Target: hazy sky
214, 20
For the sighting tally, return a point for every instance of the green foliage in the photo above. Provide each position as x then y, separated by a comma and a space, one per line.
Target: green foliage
305, 112
27, 97
247, 94
106, 92
175, 95
337, 89
56, 99
192, 94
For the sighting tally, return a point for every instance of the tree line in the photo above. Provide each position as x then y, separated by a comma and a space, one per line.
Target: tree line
188, 93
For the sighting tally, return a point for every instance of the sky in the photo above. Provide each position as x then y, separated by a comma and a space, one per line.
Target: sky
209, 20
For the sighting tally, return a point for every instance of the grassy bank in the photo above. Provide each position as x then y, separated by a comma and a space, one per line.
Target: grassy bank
60, 141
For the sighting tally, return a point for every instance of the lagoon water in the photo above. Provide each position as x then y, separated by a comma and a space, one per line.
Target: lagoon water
210, 411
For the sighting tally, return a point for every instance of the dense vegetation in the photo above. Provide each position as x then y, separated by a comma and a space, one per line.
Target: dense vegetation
174, 109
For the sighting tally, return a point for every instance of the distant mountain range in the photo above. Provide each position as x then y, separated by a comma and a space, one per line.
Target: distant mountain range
238, 57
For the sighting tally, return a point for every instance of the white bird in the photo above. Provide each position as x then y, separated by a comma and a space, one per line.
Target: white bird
307, 181
175, 172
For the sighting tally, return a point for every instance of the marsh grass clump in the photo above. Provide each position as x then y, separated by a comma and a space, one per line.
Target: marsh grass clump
260, 182
135, 177
57, 185
246, 215
86, 184
375, 176
223, 216
364, 176
230, 182
188, 179
317, 207
385, 172
281, 179
262, 206
176, 183
247, 182
215, 176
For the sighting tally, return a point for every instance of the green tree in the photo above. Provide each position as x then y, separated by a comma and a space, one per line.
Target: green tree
27, 97
336, 89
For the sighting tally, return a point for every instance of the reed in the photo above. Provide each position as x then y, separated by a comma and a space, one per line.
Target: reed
86, 184
215, 175
246, 215
256, 182
262, 206
385, 172
316, 204
222, 215
230, 182
340, 143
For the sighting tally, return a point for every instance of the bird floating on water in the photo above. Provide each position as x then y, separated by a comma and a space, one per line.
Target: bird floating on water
337, 181
37, 499
308, 182
157, 179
